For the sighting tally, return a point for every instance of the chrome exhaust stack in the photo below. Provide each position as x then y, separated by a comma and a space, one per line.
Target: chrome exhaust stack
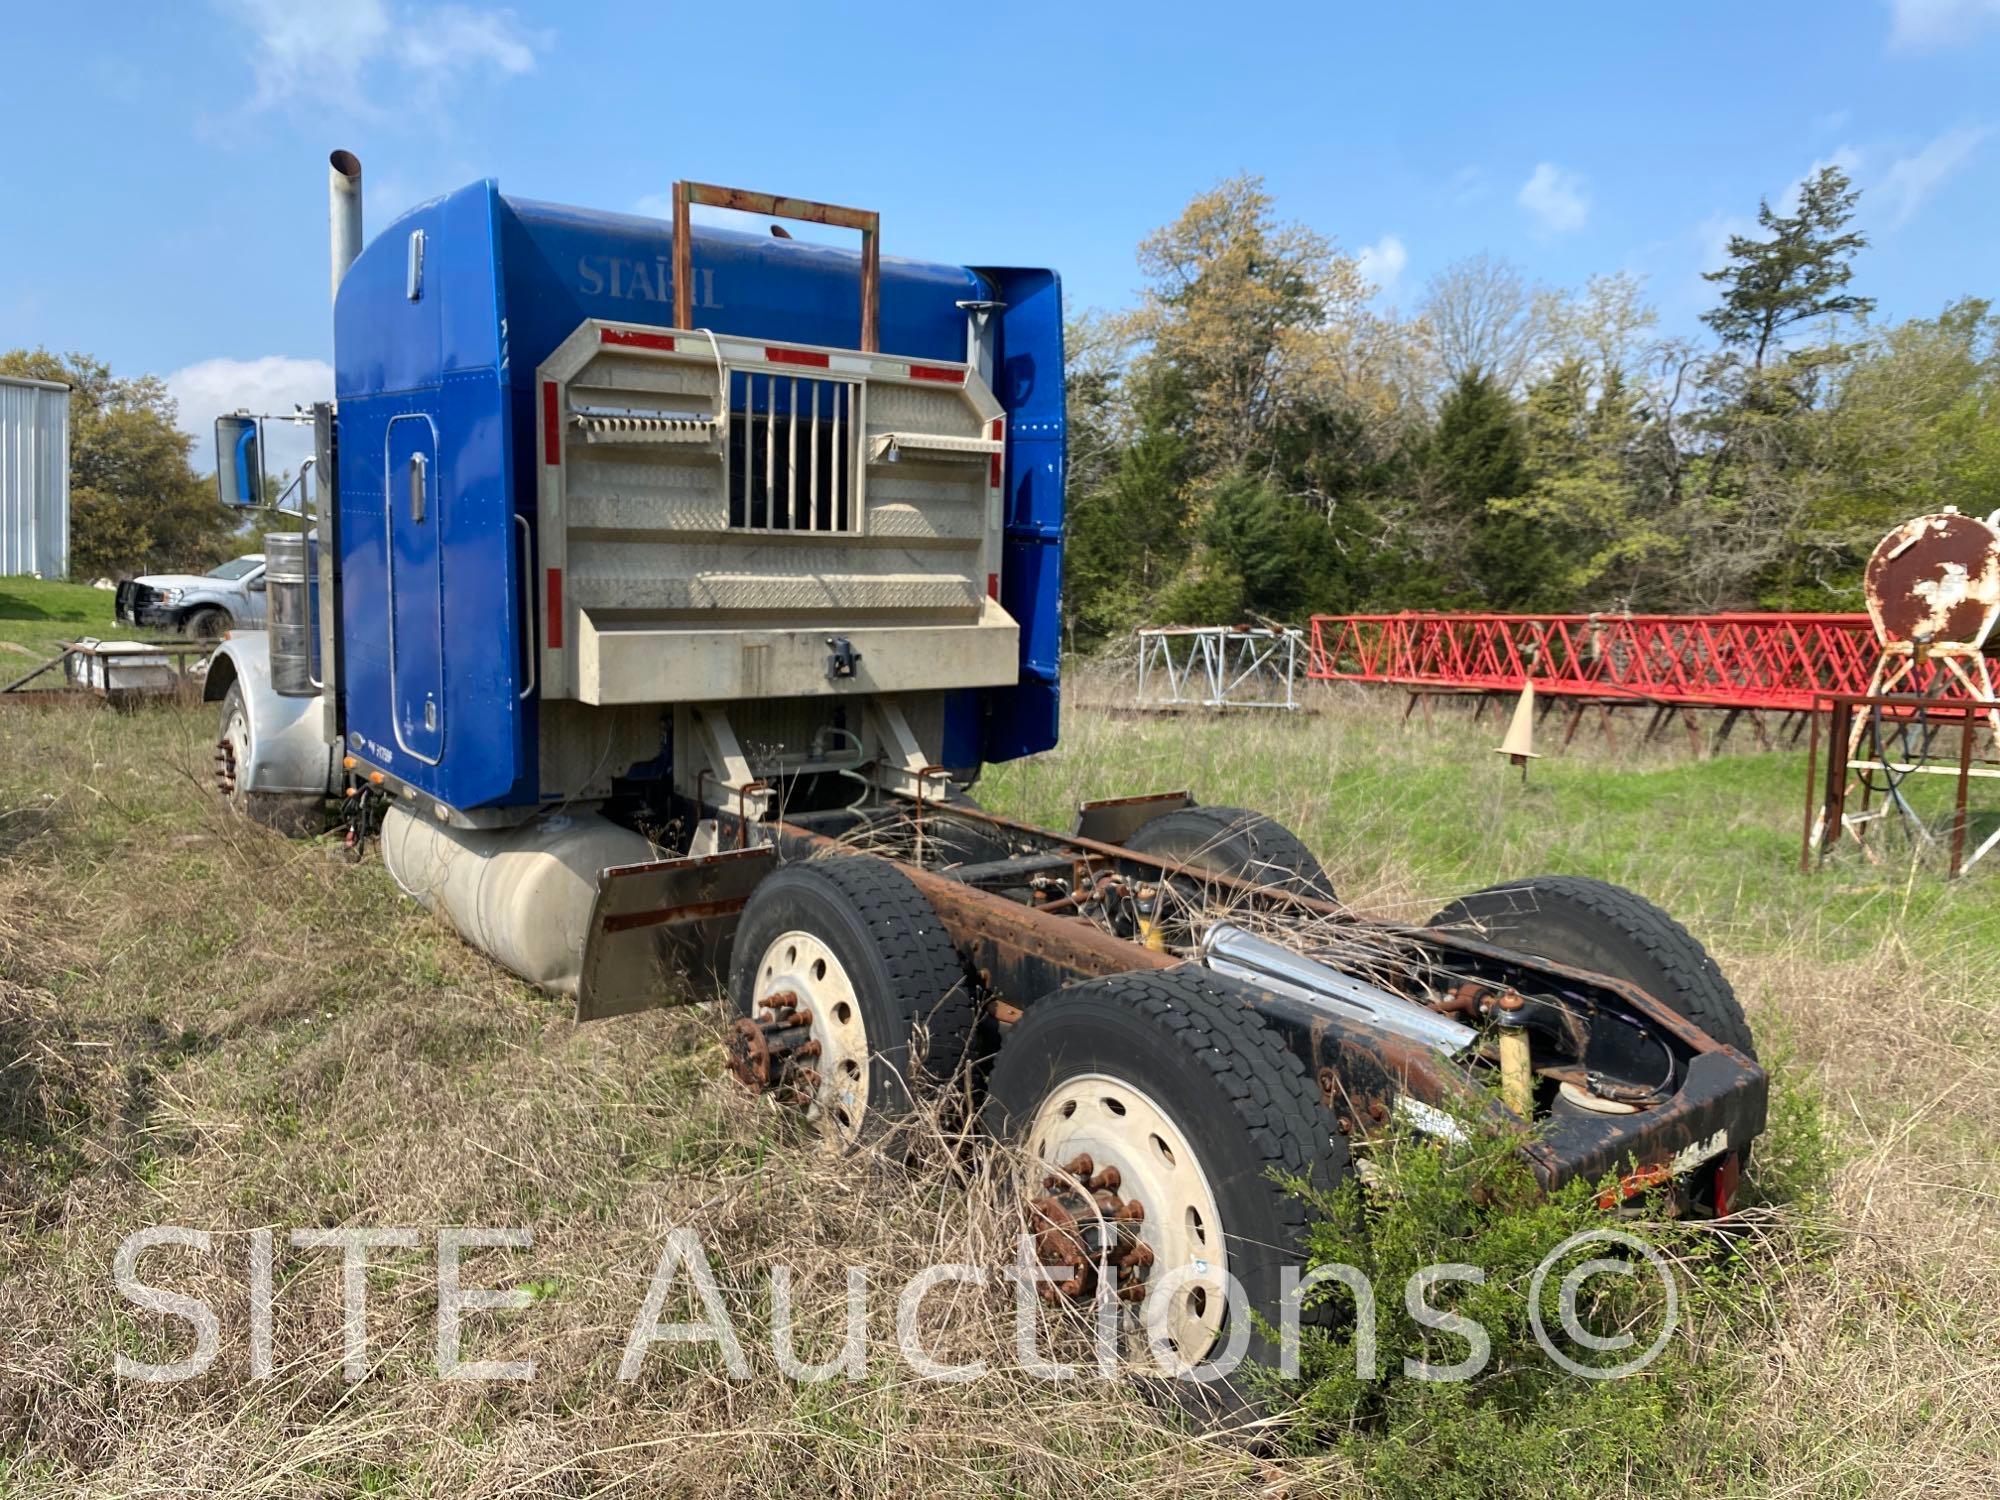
1232, 952
343, 211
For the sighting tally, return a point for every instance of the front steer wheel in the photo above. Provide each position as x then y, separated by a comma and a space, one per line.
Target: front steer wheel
208, 623
1161, 1119
850, 1000
294, 814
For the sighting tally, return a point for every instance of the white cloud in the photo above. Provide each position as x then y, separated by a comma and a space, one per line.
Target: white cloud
1467, 185
1556, 198
456, 37
1921, 25
319, 55
1382, 263
1911, 180
273, 384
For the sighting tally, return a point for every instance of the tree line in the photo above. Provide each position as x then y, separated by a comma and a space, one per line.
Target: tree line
1254, 440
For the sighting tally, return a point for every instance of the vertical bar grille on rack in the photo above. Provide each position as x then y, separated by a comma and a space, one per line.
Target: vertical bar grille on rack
792, 452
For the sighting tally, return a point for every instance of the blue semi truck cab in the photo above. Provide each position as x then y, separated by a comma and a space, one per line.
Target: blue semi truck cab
533, 564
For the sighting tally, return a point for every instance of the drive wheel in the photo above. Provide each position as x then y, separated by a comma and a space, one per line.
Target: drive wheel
1594, 925
1158, 1116
1237, 842
850, 1000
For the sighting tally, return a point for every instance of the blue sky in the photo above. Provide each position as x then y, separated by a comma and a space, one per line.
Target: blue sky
164, 178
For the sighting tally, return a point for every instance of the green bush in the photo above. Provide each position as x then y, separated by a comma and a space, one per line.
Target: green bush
1523, 1424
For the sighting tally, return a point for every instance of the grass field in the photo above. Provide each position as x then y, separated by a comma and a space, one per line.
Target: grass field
37, 616
203, 1025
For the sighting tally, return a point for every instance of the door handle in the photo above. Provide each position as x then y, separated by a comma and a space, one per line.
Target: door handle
418, 469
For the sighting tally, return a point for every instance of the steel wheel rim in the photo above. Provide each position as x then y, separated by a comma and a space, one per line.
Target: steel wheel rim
233, 760
804, 964
1159, 1167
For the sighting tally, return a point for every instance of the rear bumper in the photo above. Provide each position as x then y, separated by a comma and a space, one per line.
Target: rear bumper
1720, 1108
1367, 1077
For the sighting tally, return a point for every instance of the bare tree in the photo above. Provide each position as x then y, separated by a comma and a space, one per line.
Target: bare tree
1485, 319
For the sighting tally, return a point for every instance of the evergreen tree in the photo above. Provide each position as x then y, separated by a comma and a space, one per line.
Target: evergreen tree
1799, 273
1480, 451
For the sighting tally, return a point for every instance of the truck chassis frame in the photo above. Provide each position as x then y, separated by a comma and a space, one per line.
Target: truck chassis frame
679, 915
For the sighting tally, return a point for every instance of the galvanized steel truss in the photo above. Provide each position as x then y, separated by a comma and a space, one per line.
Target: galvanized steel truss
1219, 666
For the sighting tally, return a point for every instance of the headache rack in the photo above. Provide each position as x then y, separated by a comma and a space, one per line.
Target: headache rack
715, 510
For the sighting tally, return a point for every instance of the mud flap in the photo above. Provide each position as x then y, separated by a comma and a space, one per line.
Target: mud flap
659, 932
1115, 819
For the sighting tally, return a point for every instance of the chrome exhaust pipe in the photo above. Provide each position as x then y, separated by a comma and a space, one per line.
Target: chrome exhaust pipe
343, 211
1232, 952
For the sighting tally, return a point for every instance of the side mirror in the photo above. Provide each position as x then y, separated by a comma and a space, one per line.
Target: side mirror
239, 462
255, 585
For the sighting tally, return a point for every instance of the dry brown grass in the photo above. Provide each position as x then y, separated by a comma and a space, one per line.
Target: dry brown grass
206, 1026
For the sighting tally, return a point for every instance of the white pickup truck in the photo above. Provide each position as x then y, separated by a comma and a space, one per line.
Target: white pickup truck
201, 605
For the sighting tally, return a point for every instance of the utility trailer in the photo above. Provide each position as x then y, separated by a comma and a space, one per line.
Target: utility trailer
671, 590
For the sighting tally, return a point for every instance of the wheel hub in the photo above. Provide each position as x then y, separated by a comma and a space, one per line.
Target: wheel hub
1129, 1204
805, 1039
1089, 1231
774, 1049
227, 760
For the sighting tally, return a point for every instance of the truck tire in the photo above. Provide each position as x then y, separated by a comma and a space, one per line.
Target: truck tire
208, 623
296, 815
1238, 842
888, 998
1591, 924
1168, 1076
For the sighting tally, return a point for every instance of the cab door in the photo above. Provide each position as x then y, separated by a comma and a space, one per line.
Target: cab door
411, 495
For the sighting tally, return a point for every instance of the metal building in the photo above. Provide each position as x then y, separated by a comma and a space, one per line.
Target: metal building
34, 477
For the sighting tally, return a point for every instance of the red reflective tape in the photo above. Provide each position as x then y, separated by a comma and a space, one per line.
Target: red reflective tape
999, 431
634, 339
937, 372
993, 477
993, 585
551, 425
554, 634
795, 357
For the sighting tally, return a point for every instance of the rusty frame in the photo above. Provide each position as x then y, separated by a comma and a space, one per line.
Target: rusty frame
774, 206
1022, 956
1019, 955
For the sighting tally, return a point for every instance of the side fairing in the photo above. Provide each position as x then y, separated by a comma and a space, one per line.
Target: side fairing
1028, 379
